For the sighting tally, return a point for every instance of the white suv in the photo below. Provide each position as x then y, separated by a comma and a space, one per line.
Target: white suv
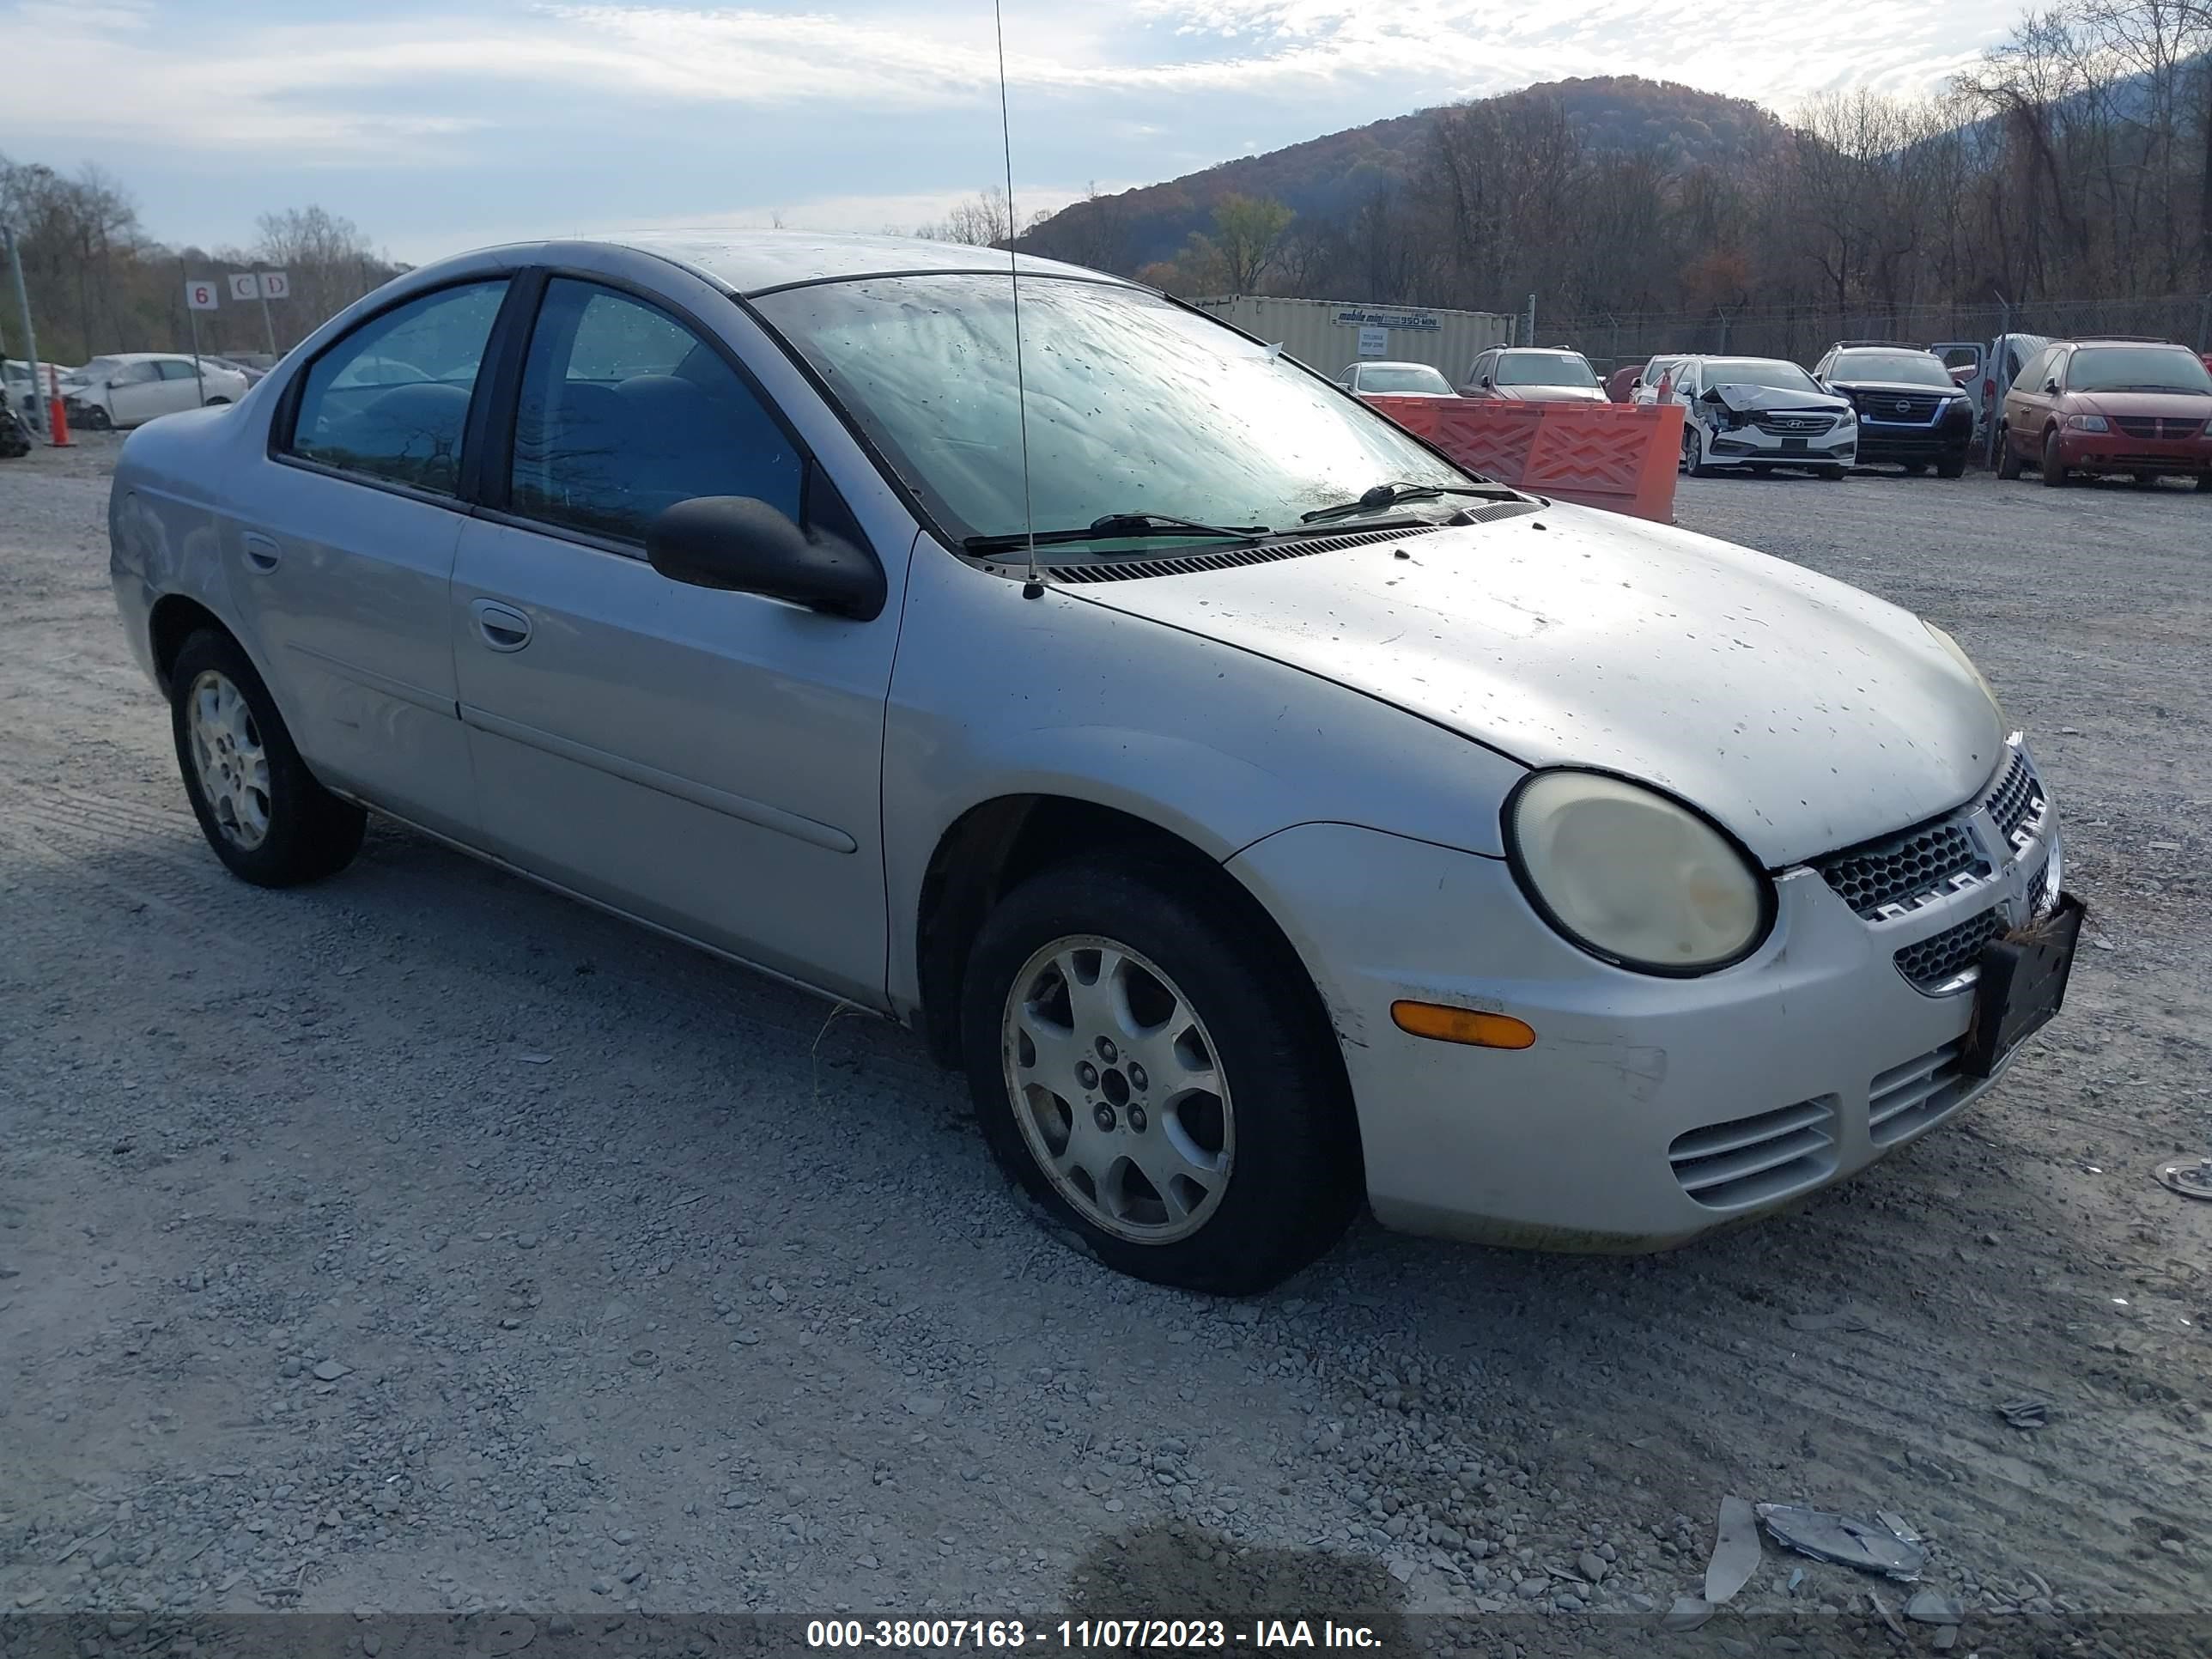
1755, 414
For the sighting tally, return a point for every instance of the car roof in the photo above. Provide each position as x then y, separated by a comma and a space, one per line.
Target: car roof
751, 262
1378, 362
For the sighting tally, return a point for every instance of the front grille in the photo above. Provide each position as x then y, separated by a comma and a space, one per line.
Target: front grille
1794, 426
2154, 426
1899, 407
1905, 1099
1901, 873
1938, 960
1757, 1160
2017, 803
2038, 892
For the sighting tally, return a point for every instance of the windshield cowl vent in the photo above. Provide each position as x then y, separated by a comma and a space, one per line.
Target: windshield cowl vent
1182, 564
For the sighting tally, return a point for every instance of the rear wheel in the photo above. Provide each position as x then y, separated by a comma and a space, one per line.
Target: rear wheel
2055, 475
1159, 1078
260, 807
2007, 458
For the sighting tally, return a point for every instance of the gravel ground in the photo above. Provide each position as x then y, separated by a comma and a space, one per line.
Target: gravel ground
422, 1242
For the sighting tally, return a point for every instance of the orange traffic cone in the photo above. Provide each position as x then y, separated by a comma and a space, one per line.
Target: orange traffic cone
57, 423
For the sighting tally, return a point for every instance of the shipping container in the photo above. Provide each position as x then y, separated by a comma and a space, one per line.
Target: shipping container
1330, 335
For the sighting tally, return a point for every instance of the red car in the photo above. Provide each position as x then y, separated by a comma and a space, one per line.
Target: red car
2140, 407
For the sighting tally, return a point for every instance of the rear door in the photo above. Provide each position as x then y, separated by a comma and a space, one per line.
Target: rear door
708, 761
345, 559
180, 384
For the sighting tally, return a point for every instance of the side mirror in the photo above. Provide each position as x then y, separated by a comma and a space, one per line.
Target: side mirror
1485, 379
741, 545
2051, 384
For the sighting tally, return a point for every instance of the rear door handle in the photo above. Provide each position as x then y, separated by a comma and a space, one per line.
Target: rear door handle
261, 552
502, 627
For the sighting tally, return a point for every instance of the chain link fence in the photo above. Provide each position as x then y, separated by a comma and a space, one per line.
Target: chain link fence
1801, 333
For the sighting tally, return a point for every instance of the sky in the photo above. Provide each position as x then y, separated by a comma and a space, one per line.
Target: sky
437, 125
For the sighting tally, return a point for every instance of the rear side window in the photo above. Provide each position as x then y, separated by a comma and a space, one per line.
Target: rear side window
625, 412
390, 399
173, 370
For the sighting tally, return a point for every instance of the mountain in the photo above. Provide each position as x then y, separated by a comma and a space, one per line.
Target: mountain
1328, 178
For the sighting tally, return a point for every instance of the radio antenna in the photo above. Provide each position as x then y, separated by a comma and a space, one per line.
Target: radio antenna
1032, 588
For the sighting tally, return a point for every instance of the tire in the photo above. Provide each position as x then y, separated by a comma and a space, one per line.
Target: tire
96, 420
1951, 466
1693, 451
2204, 483
2144, 480
2055, 475
1914, 469
2008, 460
1278, 1129
288, 829
1831, 474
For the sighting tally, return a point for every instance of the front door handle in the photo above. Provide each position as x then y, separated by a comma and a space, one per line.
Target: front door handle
261, 553
501, 626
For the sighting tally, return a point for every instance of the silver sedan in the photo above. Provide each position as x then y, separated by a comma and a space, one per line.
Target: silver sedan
1266, 814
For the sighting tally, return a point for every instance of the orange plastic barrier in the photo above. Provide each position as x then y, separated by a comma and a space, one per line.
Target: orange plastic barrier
1621, 456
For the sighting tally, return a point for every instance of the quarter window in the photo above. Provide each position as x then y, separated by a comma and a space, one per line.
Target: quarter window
625, 412
391, 400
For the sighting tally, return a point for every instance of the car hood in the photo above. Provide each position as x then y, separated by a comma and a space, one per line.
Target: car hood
2170, 406
1553, 394
1842, 384
1804, 714
1745, 399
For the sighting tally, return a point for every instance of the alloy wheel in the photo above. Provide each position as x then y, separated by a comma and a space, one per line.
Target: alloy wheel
1118, 1090
232, 762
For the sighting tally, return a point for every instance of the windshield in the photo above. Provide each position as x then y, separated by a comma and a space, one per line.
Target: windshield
1901, 367
1410, 377
1544, 368
2136, 368
1135, 405
1768, 371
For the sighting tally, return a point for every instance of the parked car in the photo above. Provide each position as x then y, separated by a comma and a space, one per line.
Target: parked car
131, 387
1910, 411
1532, 374
1985, 372
1621, 384
1755, 414
2085, 407
1379, 379
1264, 810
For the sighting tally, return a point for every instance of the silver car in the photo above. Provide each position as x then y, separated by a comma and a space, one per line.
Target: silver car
1296, 819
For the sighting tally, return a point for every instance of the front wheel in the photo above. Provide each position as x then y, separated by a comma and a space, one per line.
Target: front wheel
1693, 451
1951, 466
2204, 483
2054, 472
1833, 474
2007, 458
1157, 1075
261, 810
97, 419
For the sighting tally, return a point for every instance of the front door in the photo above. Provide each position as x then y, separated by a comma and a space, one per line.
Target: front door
134, 393
708, 761
346, 559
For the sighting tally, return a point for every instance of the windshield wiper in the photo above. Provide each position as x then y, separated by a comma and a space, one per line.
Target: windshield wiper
1389, 494
1112, 526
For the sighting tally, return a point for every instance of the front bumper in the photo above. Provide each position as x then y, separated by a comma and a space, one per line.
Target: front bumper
1812, 1058
1750, 445
2116, 452
1941, 440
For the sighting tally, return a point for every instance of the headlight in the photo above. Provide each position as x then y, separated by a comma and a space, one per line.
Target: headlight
1958, 654
2087, 423
1848, 418
1632, 877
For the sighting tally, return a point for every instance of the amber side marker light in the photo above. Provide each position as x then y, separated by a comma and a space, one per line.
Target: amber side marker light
1433, 1019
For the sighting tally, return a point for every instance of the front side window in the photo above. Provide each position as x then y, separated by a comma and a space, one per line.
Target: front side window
1134, 406
390, 399
625, 412
2136, 368
138, 373
2035, 371
1545, 368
